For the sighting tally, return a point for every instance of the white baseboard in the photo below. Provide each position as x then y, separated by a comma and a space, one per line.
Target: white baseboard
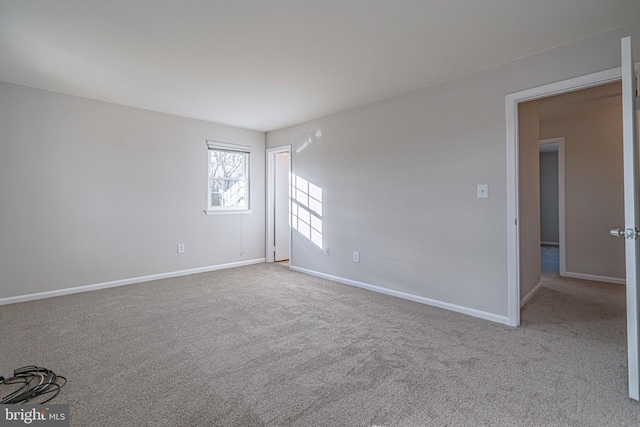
605, 279
428, 301
123, 282
530, 294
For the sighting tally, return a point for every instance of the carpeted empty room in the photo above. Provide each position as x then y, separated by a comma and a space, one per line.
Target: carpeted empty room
264, 345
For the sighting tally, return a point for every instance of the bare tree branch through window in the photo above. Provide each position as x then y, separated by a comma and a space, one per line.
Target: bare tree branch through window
228, 178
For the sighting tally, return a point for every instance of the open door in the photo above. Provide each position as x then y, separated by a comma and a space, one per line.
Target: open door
281, 214
278, 211
631, 230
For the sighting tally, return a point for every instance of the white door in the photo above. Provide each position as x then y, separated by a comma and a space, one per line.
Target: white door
632, 224
281, 214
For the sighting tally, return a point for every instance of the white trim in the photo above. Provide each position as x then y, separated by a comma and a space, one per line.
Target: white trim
228, 211
593, 277
212, 145
531, 293
512, 101
427, 301
130, 281
270, 219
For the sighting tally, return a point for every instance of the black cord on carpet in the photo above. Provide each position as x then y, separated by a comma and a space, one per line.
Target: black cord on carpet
36, 382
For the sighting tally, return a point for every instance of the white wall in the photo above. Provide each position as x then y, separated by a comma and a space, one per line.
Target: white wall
93, 192
399, 179
549, 207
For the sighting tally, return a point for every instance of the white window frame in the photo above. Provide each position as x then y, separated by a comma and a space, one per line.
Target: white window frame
216, 210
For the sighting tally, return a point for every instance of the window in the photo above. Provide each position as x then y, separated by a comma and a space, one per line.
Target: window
228, 188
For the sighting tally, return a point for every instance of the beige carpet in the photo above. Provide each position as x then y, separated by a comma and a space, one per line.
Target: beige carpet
262, 345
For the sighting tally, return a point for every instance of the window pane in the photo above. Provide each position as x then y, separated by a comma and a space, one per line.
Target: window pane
228, 193
216, 199
228, 164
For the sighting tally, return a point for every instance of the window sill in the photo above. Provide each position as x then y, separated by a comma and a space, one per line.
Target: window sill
227, 211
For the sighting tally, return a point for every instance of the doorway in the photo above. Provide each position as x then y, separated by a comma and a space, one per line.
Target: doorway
278, 233
515, 249
591, 120
552, 203
516, 243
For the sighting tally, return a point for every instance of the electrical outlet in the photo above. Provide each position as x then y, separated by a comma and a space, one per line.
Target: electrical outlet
356, 256
327, 252
180, 248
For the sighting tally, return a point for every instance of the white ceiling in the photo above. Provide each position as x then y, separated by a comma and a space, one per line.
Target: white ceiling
268, 64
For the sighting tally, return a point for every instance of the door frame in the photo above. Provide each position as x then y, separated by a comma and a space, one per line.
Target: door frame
513, 228
271, 202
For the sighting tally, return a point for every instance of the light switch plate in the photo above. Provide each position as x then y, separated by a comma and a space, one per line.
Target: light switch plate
483, 191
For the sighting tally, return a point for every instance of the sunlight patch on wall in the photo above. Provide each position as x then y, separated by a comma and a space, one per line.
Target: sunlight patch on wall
314, 136
306, 209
